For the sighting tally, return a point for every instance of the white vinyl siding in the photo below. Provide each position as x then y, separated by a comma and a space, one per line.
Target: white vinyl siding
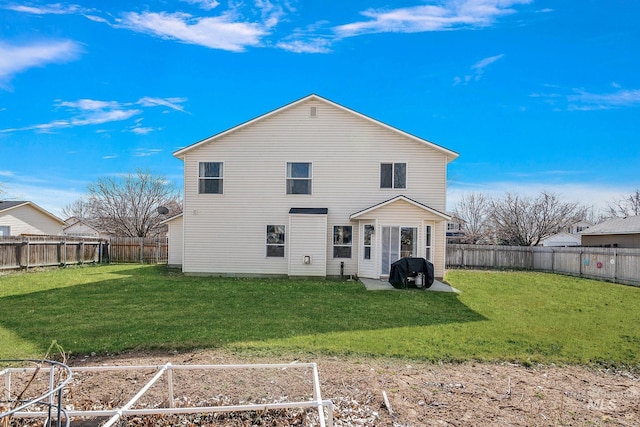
307, 238
176, 243
25, 220
345, 150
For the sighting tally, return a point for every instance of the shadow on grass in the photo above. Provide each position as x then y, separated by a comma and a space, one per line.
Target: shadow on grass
152, 308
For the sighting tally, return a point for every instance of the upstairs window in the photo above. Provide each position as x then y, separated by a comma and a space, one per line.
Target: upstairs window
275, 241
342, 241
393, 175
210, 178
298, 178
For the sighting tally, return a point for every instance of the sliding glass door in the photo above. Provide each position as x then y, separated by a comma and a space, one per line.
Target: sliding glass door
397, 242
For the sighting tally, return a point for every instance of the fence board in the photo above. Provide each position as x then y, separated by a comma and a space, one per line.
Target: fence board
611, 264
46, 251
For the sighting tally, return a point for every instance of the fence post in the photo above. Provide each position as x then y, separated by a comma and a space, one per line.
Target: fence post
141, 250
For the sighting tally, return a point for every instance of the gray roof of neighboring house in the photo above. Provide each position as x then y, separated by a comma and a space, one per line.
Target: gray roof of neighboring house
8, 204
627, 225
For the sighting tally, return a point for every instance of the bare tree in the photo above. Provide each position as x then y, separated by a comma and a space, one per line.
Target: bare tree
473, 212
526, 221
127, 205
627, 206
80, 209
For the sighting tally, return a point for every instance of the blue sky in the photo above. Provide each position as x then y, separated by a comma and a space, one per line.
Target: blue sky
533, 94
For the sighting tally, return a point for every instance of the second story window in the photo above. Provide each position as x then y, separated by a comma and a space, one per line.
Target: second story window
298, 178
210, 178
393, 175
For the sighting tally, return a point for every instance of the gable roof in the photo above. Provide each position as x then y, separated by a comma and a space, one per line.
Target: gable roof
626, 225
7, 205
396, 199
451, 155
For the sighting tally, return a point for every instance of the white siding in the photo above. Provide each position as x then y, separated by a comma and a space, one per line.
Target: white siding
306, 236
224, 231
404, 214
26, 219
175, 241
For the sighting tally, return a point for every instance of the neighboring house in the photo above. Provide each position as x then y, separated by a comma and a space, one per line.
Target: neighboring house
22, 218
615, 233
561, 240
77, 228
579, 227
455, 229
310, 189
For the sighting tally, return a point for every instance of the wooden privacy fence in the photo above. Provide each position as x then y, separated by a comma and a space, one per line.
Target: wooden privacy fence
612, 264
46, 251
138, 249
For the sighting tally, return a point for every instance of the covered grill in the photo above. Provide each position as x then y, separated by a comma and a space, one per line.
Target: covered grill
407, 272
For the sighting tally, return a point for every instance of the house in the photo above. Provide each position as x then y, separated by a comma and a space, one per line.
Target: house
310, 189
22, 218
455, 229
75, 227
561, 240
615, 233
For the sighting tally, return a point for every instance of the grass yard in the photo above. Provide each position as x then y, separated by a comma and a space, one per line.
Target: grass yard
519, 316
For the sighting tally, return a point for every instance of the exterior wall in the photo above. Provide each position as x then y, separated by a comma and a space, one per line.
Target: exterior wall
175, 241
80, 229
26, 219
404, 214
306, 236
562, 239
614, 240
225, 233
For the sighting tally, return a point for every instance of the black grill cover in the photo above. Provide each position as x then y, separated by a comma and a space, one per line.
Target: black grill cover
410, 267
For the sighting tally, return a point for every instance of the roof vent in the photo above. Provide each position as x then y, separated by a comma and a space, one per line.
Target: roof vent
313, 112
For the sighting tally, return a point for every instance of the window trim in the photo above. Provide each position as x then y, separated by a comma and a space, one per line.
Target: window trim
394, 184
278, 244
211, 178
309, 178
366, 255
343, 245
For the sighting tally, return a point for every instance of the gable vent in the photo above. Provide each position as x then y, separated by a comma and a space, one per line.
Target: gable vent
313, 112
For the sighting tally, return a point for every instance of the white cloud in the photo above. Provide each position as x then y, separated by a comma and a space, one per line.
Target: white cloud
18, 58
49, 9
477, 69
144, 152
173, 103
85, 112
204, 4
312, 45
585, 101
448, 15
220, 32
581, 100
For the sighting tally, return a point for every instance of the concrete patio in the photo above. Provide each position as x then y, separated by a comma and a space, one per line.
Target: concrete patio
383, 285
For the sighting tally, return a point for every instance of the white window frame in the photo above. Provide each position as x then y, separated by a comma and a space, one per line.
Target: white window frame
8, 230
202, 179
368, 245
290, 178
270, 244
394, 178
428, 242
342, 244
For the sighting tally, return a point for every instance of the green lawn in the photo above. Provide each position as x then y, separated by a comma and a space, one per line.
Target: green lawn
519, 316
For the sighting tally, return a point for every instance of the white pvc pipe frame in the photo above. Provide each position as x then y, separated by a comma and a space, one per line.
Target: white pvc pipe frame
168, 368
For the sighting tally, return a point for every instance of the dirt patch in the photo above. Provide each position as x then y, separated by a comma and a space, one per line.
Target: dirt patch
418, 394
